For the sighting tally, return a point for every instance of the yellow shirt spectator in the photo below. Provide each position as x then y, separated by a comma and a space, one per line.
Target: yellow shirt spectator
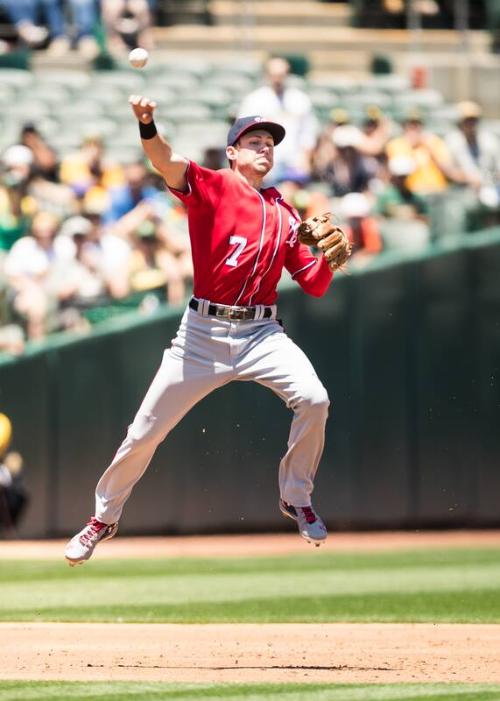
429, 154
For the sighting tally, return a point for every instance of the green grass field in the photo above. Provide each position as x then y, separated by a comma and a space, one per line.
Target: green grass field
119, 691
455, 585
425, 586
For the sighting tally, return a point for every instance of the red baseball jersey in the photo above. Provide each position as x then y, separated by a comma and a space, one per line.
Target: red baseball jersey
241, 239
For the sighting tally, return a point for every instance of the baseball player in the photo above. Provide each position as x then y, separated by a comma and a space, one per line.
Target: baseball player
242, 236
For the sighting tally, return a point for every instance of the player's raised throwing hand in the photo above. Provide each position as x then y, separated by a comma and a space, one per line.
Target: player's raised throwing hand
143, 108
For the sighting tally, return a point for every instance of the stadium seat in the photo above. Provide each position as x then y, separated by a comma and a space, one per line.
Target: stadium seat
161, 93
392, 83
250, 68
16, 78
26, 109
340, 84
237, 84
66, 140
175, 82
420, 99
448, 212
102, 126
211, 133
74, 80
189, 149
323, 98
185, 111
50, 94
127, 135
7, 93
404, 235
128, 81
213, 95
83, 109
365, 99
108, 94
190, 66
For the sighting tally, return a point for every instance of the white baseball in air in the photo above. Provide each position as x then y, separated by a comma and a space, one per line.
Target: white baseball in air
138, 57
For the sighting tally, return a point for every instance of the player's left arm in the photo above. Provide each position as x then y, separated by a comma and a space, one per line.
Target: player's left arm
312, 274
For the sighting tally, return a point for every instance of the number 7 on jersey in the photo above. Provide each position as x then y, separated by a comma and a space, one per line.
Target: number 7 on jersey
240, 242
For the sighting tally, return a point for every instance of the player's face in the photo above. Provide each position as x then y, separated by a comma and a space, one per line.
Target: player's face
255, 150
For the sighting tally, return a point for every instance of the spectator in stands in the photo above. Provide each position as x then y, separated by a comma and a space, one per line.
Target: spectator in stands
137, 189
92, 285
27, 188
348, 170
24, 14
154, 265
36, 270
376, 130
157, 231
24, 189
292, 108
128, 24
14, 496
324, 151
433, 166
308, 201
45, 161
11, 334
90, 173
396, 200
424, 7
214, 157
16, 204
355, 209
11, 339
476, 152
106, 255
403, 215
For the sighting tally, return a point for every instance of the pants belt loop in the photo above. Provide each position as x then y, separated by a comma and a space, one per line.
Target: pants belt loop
259, 312
204, 306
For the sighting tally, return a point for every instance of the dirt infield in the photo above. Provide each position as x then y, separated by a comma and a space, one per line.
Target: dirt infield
347, 653
251, 653
254, 545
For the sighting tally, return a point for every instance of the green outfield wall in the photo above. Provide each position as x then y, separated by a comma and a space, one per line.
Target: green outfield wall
409, 350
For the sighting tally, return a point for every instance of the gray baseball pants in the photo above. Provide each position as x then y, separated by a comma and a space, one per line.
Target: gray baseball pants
209, 352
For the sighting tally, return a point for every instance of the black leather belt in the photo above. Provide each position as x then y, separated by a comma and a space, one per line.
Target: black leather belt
234, 313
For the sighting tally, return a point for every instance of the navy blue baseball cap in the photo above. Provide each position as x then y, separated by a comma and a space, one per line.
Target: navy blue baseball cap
246, 124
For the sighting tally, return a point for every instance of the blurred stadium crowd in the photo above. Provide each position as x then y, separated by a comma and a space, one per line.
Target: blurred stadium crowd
62, 25
87, 228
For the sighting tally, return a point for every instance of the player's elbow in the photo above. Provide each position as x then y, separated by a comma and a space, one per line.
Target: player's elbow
316, 288
315, 279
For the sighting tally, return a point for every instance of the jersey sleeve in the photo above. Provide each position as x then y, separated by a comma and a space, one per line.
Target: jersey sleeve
204, 186
312, 274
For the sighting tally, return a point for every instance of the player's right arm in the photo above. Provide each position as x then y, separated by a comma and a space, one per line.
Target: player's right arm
171, 166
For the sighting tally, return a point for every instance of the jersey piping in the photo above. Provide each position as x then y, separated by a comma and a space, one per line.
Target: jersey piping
261, 242
304, 268
278, 239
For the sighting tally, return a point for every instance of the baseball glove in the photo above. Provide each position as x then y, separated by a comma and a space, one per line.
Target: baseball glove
331, 240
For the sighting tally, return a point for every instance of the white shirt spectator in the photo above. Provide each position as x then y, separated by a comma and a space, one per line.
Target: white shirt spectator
290, 107
485, 164
28, 258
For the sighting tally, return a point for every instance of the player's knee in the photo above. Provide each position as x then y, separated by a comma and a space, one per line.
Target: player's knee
145, 429
316, 401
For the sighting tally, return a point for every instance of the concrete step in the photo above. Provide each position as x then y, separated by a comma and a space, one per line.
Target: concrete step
72, 61
248, 5
292, 40
279, 13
